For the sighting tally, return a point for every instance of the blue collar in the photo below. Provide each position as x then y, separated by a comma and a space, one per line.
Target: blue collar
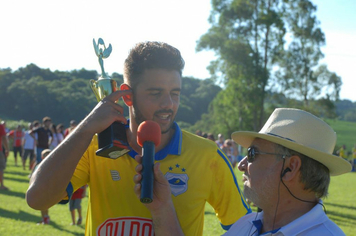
258, 224
173, 148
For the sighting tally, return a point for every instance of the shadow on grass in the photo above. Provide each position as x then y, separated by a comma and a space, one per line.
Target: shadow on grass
16, 173
13, 194
17, 179
209, 213
341, 206
27, 217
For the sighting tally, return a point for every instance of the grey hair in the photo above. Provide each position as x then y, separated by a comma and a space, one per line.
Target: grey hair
314, 175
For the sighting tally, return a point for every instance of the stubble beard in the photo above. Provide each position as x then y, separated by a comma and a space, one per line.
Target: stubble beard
139, 118
261, 194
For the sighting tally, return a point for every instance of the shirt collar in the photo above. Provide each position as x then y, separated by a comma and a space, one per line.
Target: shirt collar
173, 148
293, 228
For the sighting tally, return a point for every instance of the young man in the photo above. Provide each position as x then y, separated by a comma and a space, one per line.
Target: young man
44, 137
286, 173
198, 172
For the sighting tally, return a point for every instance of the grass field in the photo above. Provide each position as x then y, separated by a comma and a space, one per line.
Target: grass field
345, 132
17, 218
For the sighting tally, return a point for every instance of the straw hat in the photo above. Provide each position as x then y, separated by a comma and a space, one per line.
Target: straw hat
300, 131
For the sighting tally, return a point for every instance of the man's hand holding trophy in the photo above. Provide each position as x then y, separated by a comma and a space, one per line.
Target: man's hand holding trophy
112, 141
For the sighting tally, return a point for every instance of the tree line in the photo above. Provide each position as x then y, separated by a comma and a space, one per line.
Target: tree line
267, 56
31, 93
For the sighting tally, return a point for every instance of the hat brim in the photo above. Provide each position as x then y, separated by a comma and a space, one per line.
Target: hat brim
335, 164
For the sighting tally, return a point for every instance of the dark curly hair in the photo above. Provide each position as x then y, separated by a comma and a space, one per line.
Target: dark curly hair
151, 55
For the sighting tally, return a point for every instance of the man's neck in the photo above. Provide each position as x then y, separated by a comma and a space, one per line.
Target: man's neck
288, 211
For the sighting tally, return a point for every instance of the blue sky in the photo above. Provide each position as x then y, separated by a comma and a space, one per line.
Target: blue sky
58, 34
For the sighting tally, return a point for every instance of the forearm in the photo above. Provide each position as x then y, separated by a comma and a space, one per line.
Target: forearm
49, 182
165, 222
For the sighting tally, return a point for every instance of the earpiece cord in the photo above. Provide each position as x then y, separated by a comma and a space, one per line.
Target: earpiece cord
252, 226
292, 193
302, 199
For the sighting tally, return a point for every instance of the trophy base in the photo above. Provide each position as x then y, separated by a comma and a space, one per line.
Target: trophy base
112, 141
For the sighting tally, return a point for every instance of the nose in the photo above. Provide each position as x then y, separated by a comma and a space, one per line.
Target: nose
242, 164
167, 101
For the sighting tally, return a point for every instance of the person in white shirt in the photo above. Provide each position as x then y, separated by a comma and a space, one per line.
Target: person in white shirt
286, 173
29, 145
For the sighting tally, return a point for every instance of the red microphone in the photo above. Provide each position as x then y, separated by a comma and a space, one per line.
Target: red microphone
148, 136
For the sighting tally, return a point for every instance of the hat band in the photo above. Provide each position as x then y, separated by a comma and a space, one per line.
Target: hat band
281, 137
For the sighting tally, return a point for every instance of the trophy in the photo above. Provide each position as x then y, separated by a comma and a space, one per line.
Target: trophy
112, 141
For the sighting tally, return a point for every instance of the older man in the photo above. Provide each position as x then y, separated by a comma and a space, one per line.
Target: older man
286, 173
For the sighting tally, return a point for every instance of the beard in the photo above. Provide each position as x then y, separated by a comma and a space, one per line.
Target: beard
139, 117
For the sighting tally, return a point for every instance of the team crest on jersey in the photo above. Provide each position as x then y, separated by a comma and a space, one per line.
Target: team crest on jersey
178, 182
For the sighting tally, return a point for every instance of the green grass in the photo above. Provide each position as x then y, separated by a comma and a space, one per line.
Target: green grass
17, 218
345, 132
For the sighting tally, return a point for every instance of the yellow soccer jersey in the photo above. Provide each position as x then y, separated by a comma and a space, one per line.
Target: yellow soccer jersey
197, 170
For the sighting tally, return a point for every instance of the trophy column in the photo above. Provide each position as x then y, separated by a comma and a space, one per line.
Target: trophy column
112, 141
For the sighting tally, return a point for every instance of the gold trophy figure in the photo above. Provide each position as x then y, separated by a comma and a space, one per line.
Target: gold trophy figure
112, 141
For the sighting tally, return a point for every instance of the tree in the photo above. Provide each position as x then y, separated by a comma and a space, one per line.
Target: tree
247, 36
298, 73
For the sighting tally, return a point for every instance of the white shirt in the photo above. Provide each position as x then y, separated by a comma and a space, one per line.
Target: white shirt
29, 141
314, 222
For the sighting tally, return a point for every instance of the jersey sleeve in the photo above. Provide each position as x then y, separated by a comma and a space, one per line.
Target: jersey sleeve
81, 173
226, 197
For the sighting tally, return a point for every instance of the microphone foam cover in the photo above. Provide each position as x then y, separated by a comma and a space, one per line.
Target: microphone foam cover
149, 131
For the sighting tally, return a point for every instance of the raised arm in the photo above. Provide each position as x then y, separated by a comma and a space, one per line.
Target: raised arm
49, 182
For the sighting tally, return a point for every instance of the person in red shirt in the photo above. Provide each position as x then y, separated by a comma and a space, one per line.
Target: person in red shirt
3, 155
75, 203
17, 136
72, 126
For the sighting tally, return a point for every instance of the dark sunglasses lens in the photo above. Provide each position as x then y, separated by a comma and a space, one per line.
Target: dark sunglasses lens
250, 154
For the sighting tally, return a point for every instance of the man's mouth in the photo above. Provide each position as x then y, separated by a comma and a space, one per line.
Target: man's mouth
163, 117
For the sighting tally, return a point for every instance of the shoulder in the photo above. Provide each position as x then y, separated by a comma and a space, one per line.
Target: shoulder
243, 225
196, 141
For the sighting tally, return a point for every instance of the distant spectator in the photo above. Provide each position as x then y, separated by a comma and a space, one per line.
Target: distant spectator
198, 132
211, 137
342, 152
75, 203
57, 137
3, 155
6, 131
44, 213
60, 129
17, 136
44, 137
29, 145
230, 151
220, 141
72, 125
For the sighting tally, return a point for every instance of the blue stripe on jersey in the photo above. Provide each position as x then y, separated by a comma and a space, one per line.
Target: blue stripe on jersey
174, 147
247, 207
69, 191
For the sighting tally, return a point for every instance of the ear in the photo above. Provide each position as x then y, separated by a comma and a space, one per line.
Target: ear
127, 98
293, 165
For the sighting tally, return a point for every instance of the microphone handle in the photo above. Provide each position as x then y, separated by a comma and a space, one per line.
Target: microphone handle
148, 156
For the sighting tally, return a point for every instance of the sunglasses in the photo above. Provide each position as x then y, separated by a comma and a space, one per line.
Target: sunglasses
253, 151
